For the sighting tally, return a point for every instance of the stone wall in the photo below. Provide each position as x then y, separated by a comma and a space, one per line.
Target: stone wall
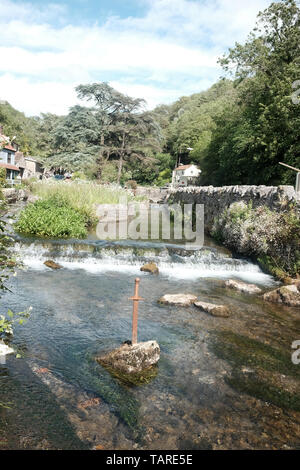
215, 200
13, 195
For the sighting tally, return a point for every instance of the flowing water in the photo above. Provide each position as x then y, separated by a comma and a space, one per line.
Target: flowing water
55, 396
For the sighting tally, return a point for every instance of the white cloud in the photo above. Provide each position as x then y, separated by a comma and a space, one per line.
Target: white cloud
169, 52
35, 97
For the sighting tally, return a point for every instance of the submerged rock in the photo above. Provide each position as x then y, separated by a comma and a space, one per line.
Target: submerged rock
4, 349
214, 310
52, 264
183, 300
132, 359
243, 287
150, 268
287, 295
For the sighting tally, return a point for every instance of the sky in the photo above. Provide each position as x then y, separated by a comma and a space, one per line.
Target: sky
158, 50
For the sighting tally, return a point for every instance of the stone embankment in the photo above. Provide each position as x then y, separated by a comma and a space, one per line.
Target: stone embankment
217, 199
13, 195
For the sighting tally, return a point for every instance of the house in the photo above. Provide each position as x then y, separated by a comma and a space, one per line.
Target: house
185, 175
28, 166
16, 164
7, 159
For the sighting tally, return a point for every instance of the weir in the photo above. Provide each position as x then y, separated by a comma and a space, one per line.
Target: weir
173, 260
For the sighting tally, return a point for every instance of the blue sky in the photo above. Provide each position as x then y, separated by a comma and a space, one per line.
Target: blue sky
154, 49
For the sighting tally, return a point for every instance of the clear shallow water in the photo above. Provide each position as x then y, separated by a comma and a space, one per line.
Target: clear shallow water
61, 398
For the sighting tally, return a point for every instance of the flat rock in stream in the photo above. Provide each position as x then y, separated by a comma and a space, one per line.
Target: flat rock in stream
182, 300
132, 359
243, 287
51, 264
287, 295
213, 309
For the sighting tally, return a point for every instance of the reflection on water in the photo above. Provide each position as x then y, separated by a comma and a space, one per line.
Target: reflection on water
63, 399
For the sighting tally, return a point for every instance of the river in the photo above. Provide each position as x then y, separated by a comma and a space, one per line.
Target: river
221, 383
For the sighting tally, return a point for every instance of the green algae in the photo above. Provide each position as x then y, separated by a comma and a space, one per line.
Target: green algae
137, 379
250, 384
241, 351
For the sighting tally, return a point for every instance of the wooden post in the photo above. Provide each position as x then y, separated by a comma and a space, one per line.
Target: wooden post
135, 300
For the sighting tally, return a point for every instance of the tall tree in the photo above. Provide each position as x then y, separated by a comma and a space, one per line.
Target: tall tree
127, 131
265, 128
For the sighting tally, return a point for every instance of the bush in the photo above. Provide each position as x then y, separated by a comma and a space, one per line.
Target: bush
52, 217
2, 177
271, 237
78, 175
131, 184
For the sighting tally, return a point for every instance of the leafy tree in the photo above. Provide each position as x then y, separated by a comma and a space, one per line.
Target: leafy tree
264, 130
126, 130
76, 140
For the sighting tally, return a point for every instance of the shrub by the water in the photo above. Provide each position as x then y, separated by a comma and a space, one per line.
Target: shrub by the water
273, 238
52, 217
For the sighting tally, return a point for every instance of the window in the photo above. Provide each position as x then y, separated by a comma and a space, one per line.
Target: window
8, 157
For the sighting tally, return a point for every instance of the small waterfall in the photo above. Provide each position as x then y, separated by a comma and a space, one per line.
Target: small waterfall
128, 256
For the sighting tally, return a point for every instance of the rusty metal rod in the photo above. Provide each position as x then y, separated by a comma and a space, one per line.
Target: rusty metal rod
135, 300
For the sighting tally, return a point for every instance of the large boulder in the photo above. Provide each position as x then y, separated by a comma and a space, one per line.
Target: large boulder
150, 268
182, 300
51, 264
132, 359
287, 295
243, 287
10, 194
213, 309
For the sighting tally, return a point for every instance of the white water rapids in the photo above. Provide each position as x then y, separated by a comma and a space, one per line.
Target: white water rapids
173, 262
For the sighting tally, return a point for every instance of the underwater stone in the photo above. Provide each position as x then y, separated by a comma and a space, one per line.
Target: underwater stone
132, 359
215, 310
52, 264
4, 349
150, 268
183, 300
287, 295
243, 287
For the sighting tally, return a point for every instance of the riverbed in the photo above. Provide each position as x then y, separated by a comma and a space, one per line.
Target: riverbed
221, 383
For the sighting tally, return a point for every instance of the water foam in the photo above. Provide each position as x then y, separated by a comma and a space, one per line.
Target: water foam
206, 263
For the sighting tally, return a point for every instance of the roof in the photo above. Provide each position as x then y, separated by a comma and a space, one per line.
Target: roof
31, 159
183, 167
9, 147
8, 166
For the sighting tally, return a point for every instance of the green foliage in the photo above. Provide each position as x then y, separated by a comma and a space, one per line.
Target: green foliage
17, 124
78, 175
260, 127
164, 177
8, 321
272, 237
109, 172
52, 217
132, 184
2, 177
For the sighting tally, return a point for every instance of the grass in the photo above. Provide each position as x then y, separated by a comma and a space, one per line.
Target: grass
82, 196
